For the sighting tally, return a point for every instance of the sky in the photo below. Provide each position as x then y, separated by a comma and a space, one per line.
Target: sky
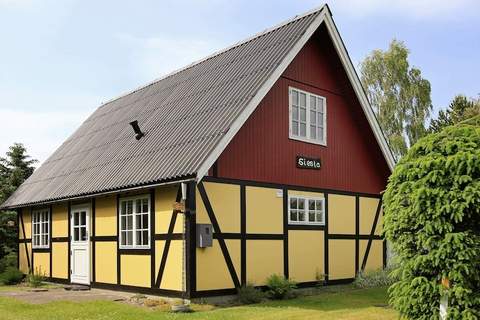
60, 60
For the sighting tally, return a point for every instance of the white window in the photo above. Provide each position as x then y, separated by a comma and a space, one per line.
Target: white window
41, 228
308, 116
306, 210
135, 222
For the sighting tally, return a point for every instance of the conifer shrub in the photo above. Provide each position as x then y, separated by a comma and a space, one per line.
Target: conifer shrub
432, 220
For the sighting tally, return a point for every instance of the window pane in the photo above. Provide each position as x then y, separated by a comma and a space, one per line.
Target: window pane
320, 118
313, 103
295, 128
129, 207
303, 114
303, 99
138, 239
319, 205
138, 222
295, 113
311, 204
145, 205
301, 203
76, 234
129, 238
123, 223
301, 215
129, 223
320, 104
145, 238
124, 238
293, 203
320, 134
313, 132
295, 97
293, 215
319, 217
311, 216
75, 218
138, 205
83, 216
313, 117
145, 221
123, 209
83, 234
303, 129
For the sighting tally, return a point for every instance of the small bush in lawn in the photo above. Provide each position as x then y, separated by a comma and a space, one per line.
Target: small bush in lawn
280, 288
11, 276
249, 294
36, 278
375, 278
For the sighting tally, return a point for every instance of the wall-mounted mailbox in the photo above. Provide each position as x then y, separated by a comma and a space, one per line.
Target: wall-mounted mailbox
204, 235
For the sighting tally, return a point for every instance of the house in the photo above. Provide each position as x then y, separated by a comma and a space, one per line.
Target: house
264, 158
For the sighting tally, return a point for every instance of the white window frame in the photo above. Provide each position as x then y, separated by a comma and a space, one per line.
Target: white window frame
38, 222
306, 199
308, 123
134, 222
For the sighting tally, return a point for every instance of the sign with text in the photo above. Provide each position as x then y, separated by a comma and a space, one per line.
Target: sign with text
308, 163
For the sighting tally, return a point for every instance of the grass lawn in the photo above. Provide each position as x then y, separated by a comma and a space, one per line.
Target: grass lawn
332, 304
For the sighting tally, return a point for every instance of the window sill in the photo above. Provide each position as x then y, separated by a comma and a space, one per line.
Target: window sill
319, 143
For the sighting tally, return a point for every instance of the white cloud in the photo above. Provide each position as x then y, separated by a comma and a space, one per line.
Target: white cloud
40, 132
153, 57
419, 9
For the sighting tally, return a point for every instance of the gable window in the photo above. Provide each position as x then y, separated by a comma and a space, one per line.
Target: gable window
308, 116
306, 210
40, 228
135, 222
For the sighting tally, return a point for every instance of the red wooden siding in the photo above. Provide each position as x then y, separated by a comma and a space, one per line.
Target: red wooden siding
262, 150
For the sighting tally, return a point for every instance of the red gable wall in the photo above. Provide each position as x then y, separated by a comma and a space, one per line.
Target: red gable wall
262, 150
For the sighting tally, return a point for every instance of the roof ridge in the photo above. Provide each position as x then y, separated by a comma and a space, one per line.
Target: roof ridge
218, 52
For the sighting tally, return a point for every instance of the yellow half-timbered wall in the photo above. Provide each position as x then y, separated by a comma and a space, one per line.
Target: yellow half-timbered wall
253, 239
268, 244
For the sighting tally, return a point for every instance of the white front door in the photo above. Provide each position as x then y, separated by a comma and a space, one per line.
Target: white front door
80, 245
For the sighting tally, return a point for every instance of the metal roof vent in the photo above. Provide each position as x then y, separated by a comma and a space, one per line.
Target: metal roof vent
138, 133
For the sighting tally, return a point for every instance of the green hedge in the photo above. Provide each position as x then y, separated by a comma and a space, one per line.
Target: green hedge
432, 219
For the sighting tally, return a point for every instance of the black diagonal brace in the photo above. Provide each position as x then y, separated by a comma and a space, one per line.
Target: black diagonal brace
216, 228
372, 232
163, 262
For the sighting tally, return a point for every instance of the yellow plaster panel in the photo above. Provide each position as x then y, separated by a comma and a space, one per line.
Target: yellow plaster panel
341, 214
375, 256
23, 257
306, 255
341, 259
106, 262
225, 201
42, 263
264, 210
106, 216
264, 258
368, 208
135, 270
172, 275
60, 220
27, 222
212, 270
164, 199
60, 260
202, 216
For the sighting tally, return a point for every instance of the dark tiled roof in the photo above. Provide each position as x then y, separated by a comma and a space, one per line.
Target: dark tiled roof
184, 116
